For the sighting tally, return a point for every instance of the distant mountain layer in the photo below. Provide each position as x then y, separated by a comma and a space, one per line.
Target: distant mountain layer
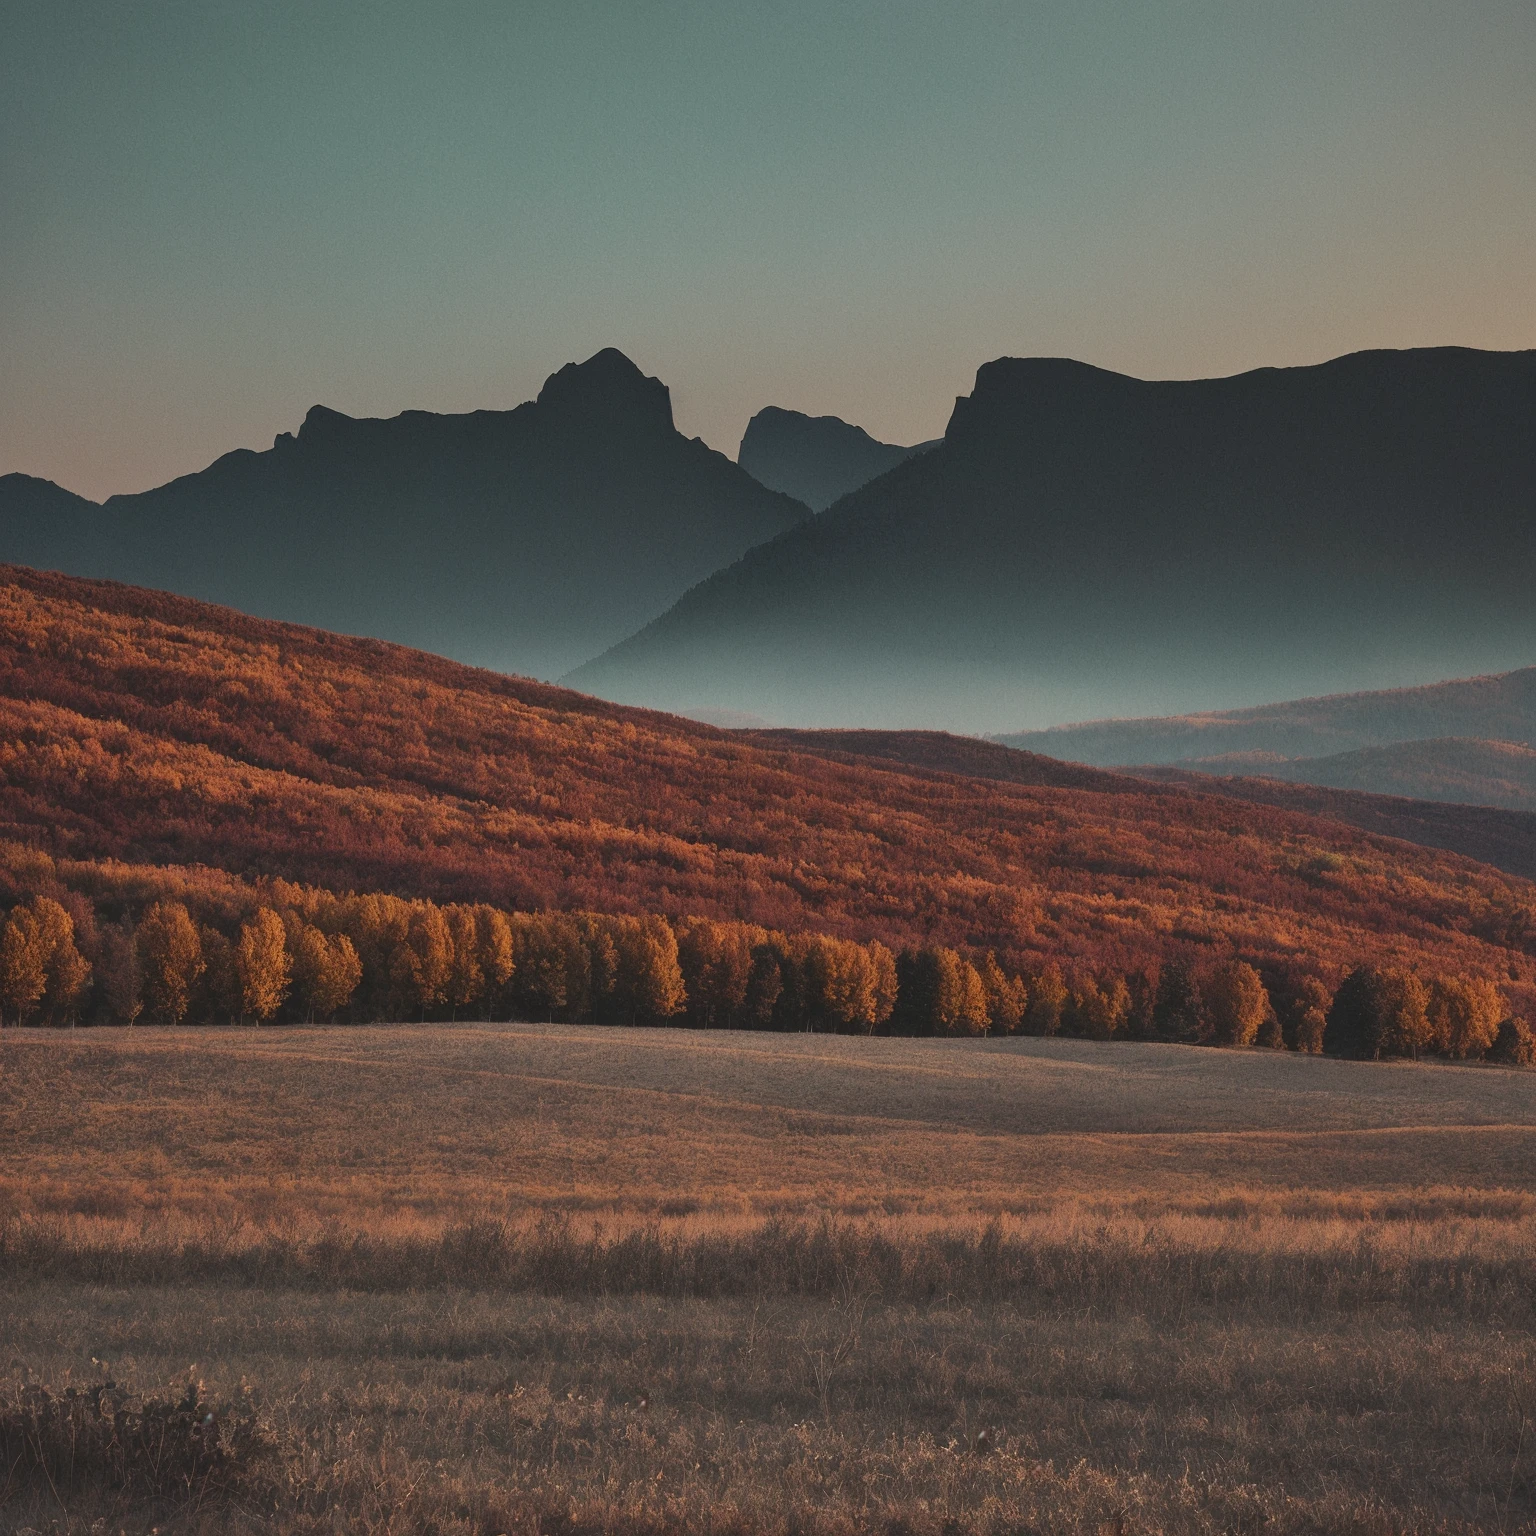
1452, 768
1505, 839
815, 459
1501, 707
526, 540
1085, 545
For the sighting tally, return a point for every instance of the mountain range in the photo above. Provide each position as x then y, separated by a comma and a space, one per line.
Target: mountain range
1083, 544
525, 540
140, 728
815, 459
1079, 544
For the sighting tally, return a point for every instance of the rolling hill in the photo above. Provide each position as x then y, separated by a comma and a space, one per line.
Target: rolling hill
1501, 707
815, 459
527, 540
155, 730
1085, 545
1505, 839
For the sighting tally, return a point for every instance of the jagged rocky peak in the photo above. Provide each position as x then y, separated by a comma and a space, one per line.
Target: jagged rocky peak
610, 389
321, 422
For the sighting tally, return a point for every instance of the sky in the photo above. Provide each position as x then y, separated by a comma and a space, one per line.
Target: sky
214, 215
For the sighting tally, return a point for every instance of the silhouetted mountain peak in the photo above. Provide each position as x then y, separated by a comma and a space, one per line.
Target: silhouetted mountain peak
1013, 376
524, 539
608, 389
1012, 392
815, 459
321, 424
33, 492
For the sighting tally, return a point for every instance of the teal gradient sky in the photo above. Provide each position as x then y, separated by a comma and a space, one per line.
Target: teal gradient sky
215, 215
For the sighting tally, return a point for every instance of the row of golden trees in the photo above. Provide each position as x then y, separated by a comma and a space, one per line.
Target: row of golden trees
310, 955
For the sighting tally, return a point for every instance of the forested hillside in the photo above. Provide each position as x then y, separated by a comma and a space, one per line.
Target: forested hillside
1506, 839
158, 731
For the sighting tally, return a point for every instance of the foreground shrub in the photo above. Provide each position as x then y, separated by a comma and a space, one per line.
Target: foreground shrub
103, 1437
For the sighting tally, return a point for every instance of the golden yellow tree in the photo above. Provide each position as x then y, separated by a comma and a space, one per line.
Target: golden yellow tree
1235, 1002
1047, 998
496, 958
68, 971
883, 963
1100, 1010
968, 1014
262, 964
1007, 997
422, 961
1464, 1016
650, 980
326, 970
23, 966
466, 978
171, 954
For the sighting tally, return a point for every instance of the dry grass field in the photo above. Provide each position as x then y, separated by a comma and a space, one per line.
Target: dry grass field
539, 1278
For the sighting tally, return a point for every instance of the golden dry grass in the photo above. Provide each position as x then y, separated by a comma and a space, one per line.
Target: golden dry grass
1181, 1290
367, 1123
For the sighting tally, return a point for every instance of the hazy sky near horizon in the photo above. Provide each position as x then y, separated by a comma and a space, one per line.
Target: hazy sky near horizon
214, 215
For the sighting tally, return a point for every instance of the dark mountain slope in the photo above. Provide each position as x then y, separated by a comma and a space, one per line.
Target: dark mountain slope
525, 540
1084, 544
145, 727
815, 459
37, 516
1500, 707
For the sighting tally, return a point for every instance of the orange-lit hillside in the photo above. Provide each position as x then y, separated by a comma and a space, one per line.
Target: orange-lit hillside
144, 727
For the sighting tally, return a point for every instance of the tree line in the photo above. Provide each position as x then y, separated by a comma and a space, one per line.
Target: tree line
308, 955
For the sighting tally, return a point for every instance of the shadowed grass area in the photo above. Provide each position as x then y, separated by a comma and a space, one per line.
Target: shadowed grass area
459, 1412
1476, 1267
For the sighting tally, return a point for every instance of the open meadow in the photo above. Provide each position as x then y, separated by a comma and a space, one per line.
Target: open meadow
483, 1278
